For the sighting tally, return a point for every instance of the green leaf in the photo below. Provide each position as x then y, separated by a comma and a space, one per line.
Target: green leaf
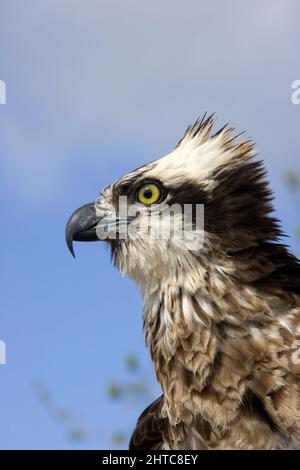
77, 434
118, 438
292, 179
131, 362
114, 390
138, 387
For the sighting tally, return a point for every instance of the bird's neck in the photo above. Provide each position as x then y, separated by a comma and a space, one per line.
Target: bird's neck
190, 333
182, 349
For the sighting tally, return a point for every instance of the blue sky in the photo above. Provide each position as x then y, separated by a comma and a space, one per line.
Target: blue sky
95, 89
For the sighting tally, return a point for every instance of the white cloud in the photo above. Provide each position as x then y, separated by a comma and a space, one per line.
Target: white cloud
125, 74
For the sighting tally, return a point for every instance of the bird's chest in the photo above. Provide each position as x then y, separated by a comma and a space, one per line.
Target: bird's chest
203, 361
183, 347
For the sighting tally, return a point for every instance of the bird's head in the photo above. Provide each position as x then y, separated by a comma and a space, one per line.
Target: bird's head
205, 201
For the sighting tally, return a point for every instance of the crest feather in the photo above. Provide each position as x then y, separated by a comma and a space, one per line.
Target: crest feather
201, 131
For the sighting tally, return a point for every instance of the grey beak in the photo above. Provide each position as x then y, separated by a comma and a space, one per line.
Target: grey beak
82, 226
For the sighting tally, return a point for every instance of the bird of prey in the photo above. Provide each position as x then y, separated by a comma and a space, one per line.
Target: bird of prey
222, 317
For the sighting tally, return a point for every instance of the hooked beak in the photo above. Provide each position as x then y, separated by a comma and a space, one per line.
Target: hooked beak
82, 226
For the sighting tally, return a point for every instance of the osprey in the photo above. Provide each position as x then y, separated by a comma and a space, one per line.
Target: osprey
222, 316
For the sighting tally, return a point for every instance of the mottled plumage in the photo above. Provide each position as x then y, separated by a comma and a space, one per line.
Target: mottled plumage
222, 322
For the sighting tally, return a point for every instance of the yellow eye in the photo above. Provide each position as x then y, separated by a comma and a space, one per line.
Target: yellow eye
149, 194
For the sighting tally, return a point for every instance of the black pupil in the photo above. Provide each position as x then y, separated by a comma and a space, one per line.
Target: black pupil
148, 193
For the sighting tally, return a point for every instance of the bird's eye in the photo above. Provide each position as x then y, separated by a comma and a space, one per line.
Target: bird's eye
149, 193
